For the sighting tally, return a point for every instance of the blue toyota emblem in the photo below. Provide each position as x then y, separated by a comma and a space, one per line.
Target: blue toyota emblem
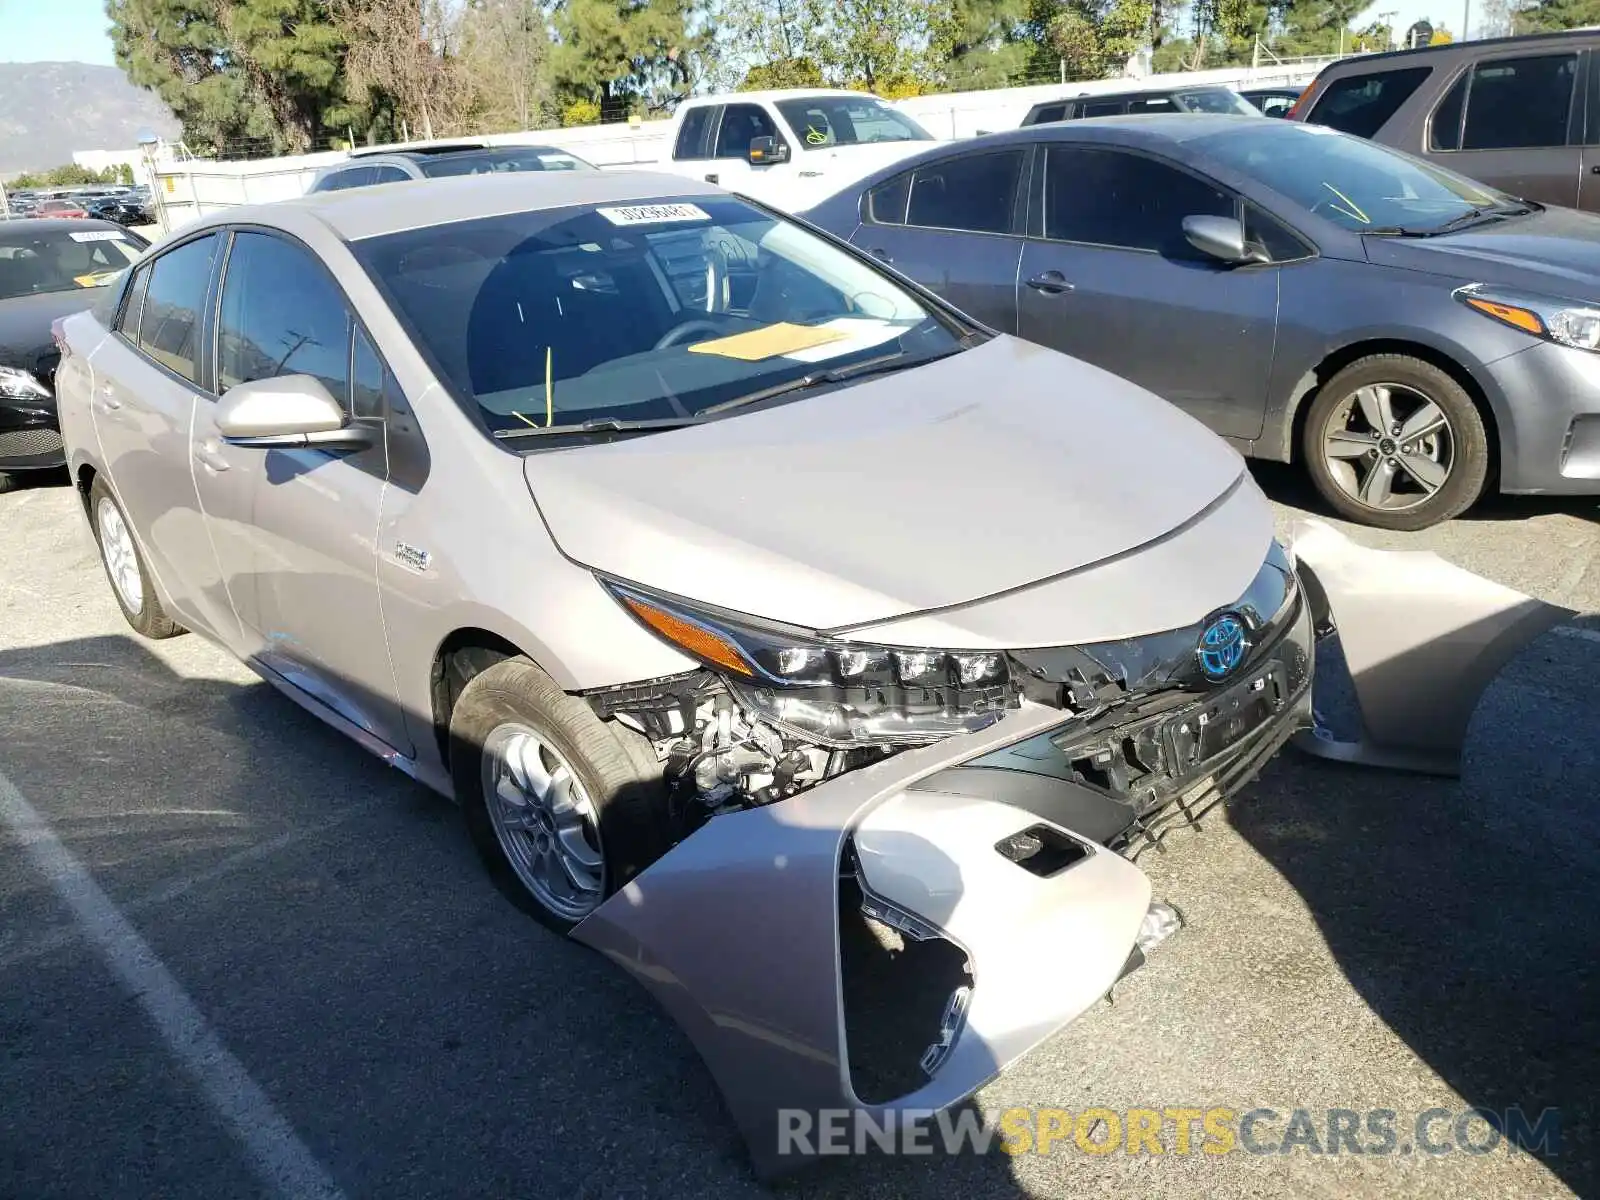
1222, 646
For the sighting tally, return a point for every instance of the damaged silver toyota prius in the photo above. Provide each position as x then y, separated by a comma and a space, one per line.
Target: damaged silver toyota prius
745, 596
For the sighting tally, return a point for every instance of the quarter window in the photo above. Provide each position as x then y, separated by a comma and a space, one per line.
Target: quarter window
1111, 198
1103, 108
366, 380
1362, 104
128, 323
388, 174
281, 315
975, 192
170, 326
886, 203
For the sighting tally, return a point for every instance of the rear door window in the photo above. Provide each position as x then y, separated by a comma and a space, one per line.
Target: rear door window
1507, 103
974, 192
1363, 103
1152, 104
691, 143
1102, 108
171, 327
1048, 113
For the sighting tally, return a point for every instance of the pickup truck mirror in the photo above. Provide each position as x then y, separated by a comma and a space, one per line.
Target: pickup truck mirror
766, 150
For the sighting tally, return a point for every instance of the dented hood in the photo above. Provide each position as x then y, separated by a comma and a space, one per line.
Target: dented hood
935, 486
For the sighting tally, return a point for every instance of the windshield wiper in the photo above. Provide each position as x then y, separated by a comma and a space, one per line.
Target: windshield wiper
596, 425
871, 366
1471, 217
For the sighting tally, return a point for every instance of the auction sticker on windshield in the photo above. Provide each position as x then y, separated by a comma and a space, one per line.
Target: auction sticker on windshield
653, 214
97, 235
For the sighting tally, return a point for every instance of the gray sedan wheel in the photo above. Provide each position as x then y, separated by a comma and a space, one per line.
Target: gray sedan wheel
1395, 442
125, 567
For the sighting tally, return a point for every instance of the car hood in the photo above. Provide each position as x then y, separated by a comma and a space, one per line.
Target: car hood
927, 488
1557, 250
25, 339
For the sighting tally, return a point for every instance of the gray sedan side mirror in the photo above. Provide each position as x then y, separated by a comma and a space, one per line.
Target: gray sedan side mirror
1220, 237
286, 412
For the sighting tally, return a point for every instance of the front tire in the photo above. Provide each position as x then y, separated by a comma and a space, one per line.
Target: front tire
1394, 442
8, 483
563, 808
125, 567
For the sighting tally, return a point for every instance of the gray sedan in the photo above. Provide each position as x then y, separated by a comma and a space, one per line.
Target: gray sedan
1413, 338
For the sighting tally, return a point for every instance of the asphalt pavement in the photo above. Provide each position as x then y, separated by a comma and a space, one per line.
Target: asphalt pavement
239, 957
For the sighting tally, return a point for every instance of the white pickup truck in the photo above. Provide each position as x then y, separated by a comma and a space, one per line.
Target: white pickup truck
788, 148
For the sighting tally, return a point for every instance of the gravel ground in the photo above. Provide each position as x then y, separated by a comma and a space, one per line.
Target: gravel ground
318, 960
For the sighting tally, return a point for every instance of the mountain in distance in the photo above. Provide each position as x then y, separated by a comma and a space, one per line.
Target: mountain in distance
49, 110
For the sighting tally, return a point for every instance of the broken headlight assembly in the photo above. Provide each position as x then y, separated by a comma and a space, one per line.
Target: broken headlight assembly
835, 693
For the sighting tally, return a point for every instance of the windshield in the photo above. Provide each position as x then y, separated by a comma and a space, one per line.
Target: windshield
1214, 100
823, 121
648, 311
1350, 181
61, 261
518, 158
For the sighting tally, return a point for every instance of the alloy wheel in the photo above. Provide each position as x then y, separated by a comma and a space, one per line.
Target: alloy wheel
1388, 446
544, 821
121, 559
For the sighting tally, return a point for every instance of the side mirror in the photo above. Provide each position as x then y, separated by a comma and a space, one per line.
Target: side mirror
287, 412
767, 150
1220, 237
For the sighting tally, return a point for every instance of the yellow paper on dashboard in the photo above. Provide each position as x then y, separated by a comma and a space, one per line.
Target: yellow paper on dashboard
769, 342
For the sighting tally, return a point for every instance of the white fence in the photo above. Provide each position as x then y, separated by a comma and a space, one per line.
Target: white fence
194, 187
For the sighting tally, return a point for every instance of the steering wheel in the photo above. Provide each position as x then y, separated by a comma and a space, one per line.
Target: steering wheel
684, 330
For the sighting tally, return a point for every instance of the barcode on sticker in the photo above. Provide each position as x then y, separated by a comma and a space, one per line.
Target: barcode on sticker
653, 214
97, 235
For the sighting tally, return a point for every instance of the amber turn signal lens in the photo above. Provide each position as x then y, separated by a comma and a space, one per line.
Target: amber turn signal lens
1517, 318
696, 639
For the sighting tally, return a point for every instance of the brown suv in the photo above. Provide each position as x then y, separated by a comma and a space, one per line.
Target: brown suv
1521, 114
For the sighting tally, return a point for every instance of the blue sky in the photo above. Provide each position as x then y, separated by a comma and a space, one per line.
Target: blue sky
75, 30
54, 31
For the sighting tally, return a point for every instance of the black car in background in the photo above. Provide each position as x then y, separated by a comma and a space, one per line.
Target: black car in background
1198, 99
1272, 101
121, 210
49, 269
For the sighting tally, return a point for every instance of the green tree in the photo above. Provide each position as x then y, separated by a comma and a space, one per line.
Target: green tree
782, 73
627, 53
1548, 16
290, 53
987, 43
177, 49
505, 50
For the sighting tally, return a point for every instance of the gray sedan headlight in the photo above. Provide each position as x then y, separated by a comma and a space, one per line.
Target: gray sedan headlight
1569, 322
835, 692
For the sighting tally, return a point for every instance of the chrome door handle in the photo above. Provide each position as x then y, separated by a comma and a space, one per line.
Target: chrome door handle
108, 398
882, 255
209, 456
713, 178
1051, 283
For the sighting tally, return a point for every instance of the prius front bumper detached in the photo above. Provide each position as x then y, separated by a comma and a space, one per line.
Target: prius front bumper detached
991, 858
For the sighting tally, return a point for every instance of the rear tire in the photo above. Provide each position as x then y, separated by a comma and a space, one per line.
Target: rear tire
8, 483
563, 808
125, 567
1395, 442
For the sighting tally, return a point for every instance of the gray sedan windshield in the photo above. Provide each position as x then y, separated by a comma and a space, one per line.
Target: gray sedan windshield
646, 312
1352, 182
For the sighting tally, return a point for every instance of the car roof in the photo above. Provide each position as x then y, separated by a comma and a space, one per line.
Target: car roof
29, 228
1129, 93
1135, 129
357, 213
1473, 48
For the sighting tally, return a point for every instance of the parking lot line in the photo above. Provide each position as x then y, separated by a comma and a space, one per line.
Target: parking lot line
280, 1159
